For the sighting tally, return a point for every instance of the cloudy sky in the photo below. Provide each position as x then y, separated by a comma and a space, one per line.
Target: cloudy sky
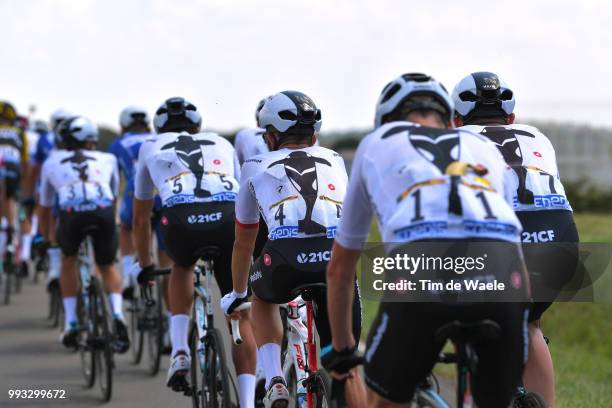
94, 57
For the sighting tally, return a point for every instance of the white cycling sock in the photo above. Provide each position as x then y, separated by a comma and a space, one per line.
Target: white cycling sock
126, 263
259, 371
179, 326
69, 311
271, 361
246, 387
116, 303
55, 260
26, 246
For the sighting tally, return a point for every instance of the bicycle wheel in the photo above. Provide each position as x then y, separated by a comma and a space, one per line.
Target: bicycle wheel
195, 365
215, 377
86, 339
17, 279
8, 281
56, 306
155, 330
136, 331
322, 396
428, 398
103, 334
529, 400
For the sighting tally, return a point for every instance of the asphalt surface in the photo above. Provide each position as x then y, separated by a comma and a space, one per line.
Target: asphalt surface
31, 357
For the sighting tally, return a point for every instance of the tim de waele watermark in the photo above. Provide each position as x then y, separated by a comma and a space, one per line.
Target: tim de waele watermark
410, 264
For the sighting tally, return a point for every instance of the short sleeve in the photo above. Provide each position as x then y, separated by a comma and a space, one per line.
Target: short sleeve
144, 188
247, 210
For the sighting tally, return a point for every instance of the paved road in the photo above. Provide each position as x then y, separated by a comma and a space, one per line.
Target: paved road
32, 358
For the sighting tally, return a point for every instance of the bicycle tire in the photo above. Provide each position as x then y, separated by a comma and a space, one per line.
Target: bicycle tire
87, 353
18, 279
155, 332
56, 306
136, 332
8, 282
529, 400
103, 333
322, 398
215, 384
195, 365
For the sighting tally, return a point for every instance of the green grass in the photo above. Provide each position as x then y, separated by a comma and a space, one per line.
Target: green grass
580, 334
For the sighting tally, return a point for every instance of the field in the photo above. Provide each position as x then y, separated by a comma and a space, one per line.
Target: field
580, 334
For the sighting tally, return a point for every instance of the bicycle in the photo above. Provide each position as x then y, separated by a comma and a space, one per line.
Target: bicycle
147, 320
9, 273
95, 333
309, 385
205, 342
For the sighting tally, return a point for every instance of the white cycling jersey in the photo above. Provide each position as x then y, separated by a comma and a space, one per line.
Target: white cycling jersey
536, 182
82, 180
186, 168
299, 192
250, 142
426, 183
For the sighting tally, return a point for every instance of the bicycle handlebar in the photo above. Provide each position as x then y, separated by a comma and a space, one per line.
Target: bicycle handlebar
235, 323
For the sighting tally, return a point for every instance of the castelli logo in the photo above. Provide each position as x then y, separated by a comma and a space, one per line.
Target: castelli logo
331, 186
537, 154
217, 161
267, 260
164, 221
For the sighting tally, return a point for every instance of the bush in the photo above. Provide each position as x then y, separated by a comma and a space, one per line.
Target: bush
583, 196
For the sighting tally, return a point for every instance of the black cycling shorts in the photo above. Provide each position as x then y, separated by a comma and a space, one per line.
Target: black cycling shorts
73, 227
286, 264
10, 175
550, 246
401, 350
186, 228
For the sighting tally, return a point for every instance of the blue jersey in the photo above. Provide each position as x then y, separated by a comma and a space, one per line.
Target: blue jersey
45, 144
126, 150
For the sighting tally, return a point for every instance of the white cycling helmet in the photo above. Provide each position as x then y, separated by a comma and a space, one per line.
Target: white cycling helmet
260, 105
133, 115
176, 115
57, 117
397, 92
77, 130
483, 95
290, 110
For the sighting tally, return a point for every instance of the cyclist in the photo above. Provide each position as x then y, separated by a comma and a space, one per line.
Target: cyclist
414, 148
134, 123
196, 176
85, 182
298, 189
250, 142
13, 162
485, 104
44, 147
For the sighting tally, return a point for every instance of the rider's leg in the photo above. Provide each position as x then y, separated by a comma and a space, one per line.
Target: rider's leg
245, 361
126, 247
268, 330
539, 375
181, 294
112, 286
53, 252
69, 286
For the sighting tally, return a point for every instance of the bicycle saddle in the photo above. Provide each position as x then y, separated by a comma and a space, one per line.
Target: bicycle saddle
208, 252
472, 333
308, 290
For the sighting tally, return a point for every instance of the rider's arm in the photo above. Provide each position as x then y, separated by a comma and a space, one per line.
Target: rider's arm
142, 230
247, 225
352, 233
47, 200
144, 193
